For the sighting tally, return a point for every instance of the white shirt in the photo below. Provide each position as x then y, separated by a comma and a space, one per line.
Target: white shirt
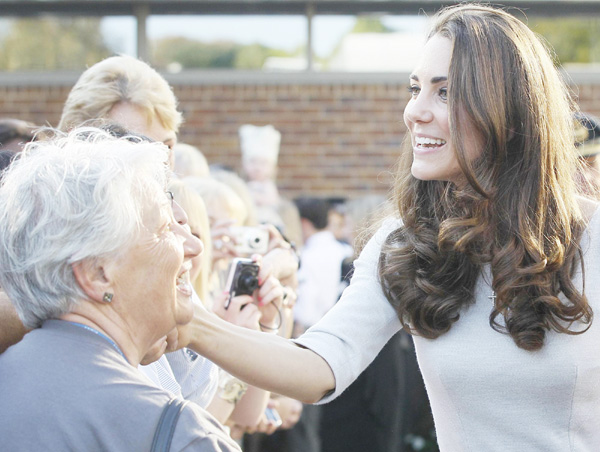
486, 393
319, 276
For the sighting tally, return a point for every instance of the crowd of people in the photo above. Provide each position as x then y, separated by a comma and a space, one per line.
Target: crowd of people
154, 300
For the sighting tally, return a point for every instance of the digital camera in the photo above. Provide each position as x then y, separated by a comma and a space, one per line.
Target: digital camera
249, 240
243, 277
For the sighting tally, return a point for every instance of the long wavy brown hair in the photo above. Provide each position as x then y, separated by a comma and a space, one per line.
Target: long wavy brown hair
519, 211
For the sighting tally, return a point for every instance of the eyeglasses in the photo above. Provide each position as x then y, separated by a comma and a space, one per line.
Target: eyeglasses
170, 197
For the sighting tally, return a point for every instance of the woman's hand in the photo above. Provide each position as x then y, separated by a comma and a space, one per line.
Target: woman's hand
289, 297
223, 245
276, 240
270, 302
289, 410
241, 310
265, 424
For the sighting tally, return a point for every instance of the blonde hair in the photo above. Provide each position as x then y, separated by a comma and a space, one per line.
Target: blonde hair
215, 193
239, 186
120, 79
195, 208
189, 161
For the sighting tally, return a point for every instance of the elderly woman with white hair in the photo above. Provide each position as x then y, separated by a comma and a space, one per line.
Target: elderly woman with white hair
97, 265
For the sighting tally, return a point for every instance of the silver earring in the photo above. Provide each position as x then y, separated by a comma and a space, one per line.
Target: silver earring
107, 298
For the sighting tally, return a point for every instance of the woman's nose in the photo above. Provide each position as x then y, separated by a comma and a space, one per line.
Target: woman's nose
192, 245
418, 110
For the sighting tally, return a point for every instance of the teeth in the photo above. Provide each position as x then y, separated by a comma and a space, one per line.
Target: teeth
186, 267
182, 279
429, 141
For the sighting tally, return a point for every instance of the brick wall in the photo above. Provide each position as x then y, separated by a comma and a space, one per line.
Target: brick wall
341, 134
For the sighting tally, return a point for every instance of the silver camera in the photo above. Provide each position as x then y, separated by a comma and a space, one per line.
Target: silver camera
249, 240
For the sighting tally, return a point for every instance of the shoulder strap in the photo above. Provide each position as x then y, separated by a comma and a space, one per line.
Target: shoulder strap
166, 425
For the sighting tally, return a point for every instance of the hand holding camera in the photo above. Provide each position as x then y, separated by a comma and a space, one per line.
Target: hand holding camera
243, 279
250, 240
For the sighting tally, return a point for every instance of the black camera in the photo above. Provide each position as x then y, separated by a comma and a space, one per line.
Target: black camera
243, 277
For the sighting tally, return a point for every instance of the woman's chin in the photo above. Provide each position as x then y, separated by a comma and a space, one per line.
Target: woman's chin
155, 352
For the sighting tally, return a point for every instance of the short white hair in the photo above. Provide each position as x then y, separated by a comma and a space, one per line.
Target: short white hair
72, 198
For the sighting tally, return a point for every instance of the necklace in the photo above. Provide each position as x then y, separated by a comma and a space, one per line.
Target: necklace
102, 335
493, 296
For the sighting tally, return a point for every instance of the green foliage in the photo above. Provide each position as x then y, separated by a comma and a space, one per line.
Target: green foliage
573, 39
52, 44
369, 24
251, 57
196, 54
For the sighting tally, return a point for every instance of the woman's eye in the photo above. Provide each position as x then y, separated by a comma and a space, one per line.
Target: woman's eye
444, 93
414, 90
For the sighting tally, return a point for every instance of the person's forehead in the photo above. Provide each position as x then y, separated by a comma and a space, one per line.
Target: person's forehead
135, 119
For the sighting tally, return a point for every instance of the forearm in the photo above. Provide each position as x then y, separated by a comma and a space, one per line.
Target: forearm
261, 359
11, 327
249, 409
220, 409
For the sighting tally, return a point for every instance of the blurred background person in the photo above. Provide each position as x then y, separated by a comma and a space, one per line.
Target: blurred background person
226, 210
84, 221
260, 153
320, 271
240, 187
15, 133
319, 279
129, 92
189, 161
587, 144
386, 409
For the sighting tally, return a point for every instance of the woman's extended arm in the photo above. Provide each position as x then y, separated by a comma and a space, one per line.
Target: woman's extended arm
261, 359
345, 341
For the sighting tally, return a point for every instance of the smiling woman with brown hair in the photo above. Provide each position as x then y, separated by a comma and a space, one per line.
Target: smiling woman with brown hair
483, 262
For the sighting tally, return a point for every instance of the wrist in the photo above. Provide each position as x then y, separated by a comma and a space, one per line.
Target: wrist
231, 389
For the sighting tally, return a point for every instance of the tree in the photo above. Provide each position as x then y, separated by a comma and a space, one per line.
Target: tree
573, 39
191, 54
52, 44
369, 24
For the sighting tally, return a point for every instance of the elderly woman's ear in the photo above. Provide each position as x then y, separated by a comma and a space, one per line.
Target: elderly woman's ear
92, 278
